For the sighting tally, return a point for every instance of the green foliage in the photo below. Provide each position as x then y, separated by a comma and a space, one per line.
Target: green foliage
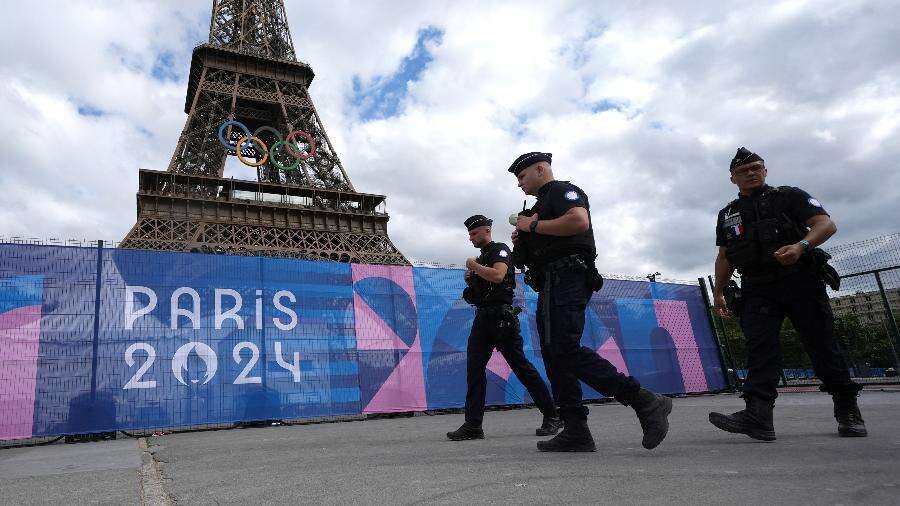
864, 345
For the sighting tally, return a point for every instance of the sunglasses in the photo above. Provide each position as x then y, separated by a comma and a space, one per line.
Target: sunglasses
753, 167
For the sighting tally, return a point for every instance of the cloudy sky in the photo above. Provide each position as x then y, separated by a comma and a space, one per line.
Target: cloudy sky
642, 104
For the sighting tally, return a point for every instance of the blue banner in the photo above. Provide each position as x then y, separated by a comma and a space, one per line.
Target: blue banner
98, 340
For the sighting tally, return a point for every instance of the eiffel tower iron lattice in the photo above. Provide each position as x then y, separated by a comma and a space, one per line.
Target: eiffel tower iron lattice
248, 72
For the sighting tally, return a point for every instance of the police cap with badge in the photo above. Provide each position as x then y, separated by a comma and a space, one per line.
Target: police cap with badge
521, 163
478, 220
528, 159
478, 291
744, 157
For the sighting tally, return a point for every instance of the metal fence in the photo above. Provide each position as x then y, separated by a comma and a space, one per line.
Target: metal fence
866, 310
416, 262
77, 322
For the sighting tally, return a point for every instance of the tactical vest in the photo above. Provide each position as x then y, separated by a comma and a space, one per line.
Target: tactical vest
542, 248
493, 294
757, 227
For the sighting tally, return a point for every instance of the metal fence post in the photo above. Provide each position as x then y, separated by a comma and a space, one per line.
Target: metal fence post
96, 339
715, 330
728, 349
892, 323
263, 348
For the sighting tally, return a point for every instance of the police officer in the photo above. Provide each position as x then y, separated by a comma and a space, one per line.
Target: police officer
559, 240
768, 235
492, 282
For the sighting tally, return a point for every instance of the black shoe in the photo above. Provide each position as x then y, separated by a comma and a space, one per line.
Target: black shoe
755, 420
466, 432
575, 437
550, 426
653, 413
846, 412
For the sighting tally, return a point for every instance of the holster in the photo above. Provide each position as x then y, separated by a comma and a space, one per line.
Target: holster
734, 300
595, 279
828, 273
506, 314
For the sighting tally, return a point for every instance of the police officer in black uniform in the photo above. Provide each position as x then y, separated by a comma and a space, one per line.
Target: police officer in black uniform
769, 234
491, 281
555, 240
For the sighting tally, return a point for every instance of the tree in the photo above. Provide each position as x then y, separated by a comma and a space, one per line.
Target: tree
867, 345
863, 345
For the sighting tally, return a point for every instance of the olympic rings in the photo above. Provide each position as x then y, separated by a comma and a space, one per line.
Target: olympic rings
309, 139
274, 132
226, 143
246, 141
263, 149
286, 168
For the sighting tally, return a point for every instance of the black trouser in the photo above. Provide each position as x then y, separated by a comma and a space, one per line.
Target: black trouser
489, 331
801, 297
560, 321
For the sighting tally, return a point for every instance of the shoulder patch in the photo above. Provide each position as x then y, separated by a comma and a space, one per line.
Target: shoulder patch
814, 202
571, 195
503, 253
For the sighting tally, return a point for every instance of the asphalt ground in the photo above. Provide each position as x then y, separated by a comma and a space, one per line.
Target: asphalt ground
409, 461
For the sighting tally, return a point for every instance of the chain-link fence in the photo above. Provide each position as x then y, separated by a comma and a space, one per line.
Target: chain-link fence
866, 310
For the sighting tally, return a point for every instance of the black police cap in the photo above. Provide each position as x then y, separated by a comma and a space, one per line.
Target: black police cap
528, 159
743, 157
477, 221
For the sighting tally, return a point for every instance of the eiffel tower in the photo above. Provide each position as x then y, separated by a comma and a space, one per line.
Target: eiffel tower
248, 96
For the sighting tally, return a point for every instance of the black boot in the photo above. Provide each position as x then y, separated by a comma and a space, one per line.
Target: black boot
465, 432
550, 426
653, 413
755, 420
575, 437
846, 412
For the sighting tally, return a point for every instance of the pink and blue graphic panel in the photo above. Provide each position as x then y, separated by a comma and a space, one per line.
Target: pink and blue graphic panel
445, 320
20, 329
99, 340
387, 336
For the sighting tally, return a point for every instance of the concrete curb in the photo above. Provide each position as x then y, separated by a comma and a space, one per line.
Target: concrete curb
153, 488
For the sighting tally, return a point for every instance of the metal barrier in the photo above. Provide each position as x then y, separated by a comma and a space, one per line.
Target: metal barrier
866, 309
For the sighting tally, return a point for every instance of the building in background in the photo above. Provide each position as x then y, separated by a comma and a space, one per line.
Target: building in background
867, 305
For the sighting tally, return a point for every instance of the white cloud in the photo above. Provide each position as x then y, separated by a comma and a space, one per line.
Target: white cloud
813, 87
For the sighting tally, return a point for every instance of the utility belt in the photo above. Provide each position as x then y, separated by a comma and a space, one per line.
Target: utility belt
771, 275
566, 262
536, 277
752, 255
481, 296
816, 262
734, 294
506, 313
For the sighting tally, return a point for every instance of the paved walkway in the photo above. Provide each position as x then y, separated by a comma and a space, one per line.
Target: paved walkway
408, 461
